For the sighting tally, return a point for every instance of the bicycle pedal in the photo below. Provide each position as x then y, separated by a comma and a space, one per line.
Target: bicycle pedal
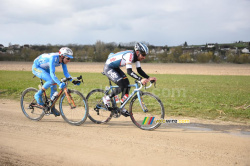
117, 112
46, 110
116, 115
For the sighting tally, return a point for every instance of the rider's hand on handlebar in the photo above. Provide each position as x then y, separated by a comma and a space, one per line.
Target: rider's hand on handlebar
62, 85
152, 79
76, 82
144, 81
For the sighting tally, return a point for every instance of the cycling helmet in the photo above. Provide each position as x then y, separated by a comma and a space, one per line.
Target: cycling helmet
141, 47
65, 51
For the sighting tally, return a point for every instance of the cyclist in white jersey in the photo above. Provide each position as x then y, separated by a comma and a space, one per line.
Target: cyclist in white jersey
44, 68
112, 71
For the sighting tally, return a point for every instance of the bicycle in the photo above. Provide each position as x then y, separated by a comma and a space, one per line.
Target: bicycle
144, 107
73, 105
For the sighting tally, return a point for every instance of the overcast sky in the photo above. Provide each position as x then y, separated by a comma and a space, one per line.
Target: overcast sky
158, 22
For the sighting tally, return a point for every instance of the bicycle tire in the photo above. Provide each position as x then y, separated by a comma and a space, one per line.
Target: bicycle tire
143, 119
27, 98
74, 115
101, 115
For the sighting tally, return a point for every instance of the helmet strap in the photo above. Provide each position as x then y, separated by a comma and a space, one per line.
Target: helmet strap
62, 58
135, 57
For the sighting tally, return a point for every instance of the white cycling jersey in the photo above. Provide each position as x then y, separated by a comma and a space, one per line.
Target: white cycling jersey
120, 59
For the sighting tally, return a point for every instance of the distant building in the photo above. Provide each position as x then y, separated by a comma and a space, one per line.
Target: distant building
245, 51
210, 45
26, 46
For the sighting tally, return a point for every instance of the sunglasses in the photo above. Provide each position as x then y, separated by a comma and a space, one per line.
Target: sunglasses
68, 58
143, 54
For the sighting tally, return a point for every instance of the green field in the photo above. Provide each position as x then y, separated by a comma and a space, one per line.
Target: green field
209, 97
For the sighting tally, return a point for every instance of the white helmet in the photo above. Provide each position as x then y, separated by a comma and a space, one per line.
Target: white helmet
65, 51
141, 47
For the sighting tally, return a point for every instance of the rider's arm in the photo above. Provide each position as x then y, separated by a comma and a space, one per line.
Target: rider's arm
132, 74
53, 69
140, 71
65, 71
129, 59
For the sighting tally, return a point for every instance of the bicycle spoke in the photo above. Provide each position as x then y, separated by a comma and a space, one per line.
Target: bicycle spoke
145, 113
28, 105
76, 111
98, 112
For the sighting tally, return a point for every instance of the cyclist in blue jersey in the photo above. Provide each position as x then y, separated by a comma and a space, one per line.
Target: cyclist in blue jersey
44, 68
112, 71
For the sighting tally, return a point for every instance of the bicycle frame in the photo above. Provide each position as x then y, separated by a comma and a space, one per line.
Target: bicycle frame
135, 91
70, 100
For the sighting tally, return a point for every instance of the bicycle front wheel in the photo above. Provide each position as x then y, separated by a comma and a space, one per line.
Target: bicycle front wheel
98, 113
154, 111
29, 105
74, 107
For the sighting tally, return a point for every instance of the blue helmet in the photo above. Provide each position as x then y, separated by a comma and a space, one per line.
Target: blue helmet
141, 47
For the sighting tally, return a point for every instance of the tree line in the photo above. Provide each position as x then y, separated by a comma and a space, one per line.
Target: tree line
158, 54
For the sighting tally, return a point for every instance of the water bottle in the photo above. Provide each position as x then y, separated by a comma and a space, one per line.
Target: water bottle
54, 96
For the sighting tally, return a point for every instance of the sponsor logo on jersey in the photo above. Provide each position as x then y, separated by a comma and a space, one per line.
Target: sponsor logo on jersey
131, 57
112, 74
134, 75
112, 59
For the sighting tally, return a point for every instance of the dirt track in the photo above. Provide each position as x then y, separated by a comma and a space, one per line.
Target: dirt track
52, 141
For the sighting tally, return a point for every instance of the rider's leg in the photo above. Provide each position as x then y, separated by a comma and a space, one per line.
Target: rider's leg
43, 74
53, 109
122, 81
38, 96
125, 90
123, 87
53, 89
114, 75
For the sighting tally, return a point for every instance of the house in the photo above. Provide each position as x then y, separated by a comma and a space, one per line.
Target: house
10, 51
26, 46
158, 51
210, 45
245, 51
15, 46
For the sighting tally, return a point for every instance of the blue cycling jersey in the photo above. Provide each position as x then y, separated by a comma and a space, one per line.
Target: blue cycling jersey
48, 62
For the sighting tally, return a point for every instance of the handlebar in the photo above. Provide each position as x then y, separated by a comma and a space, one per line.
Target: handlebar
146, 87
67, 79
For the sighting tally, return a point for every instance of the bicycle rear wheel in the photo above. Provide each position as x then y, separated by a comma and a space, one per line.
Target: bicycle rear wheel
155, 111
29, 105
98, 112
75, 109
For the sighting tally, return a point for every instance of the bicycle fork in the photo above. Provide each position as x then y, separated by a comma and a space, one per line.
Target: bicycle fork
70, 99
143, 106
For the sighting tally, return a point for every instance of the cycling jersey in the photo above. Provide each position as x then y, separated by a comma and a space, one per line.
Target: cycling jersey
121, 59
48, 62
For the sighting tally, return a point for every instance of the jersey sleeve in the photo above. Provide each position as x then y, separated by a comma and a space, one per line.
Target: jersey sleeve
128, 58
53, 69
65, 70
138, 64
